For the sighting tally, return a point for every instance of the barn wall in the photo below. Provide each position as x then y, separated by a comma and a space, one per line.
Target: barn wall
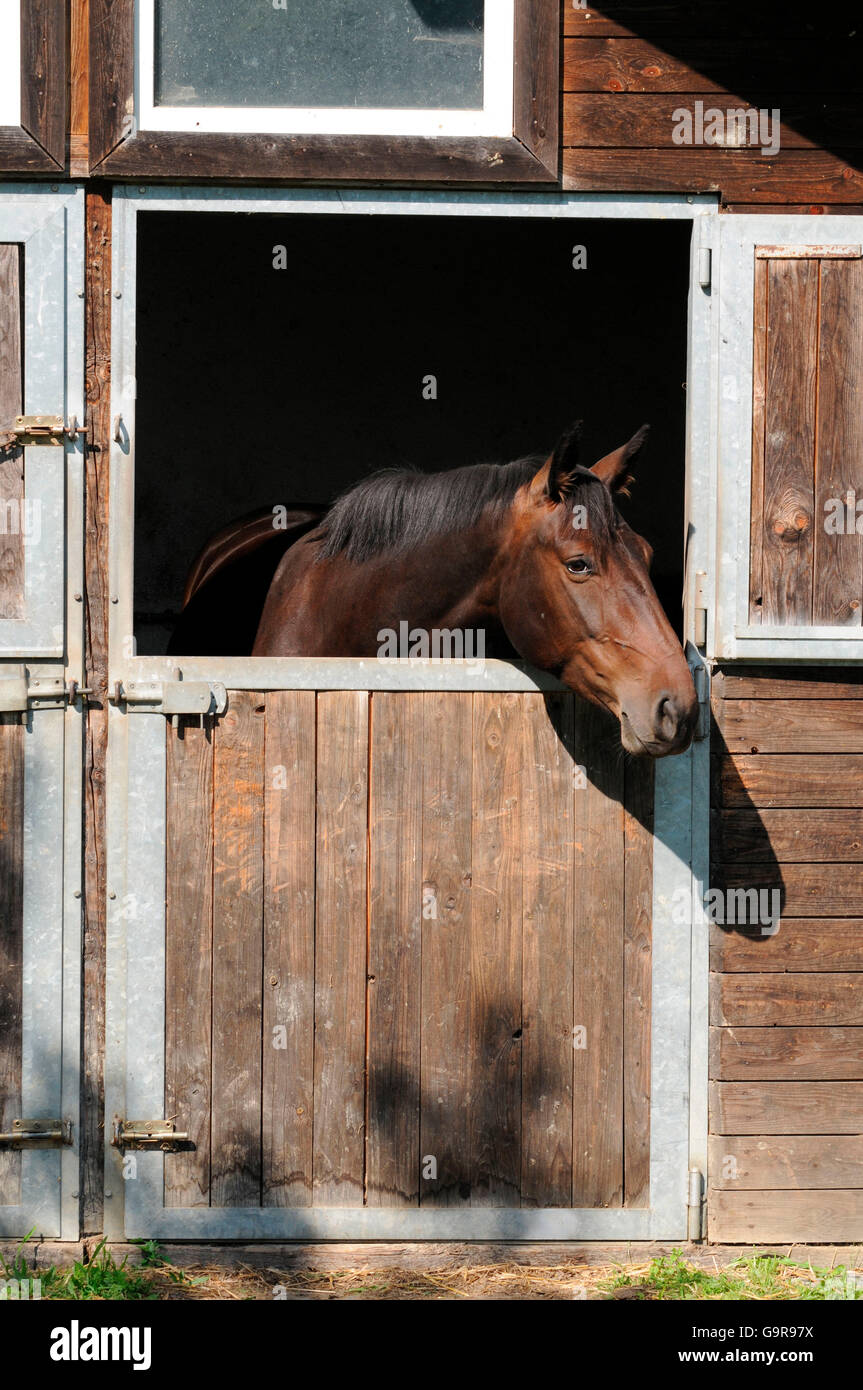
786, 1035
627, 67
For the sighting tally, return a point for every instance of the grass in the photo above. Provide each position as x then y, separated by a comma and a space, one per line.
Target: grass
664, 1279
100, 1278
757, 1277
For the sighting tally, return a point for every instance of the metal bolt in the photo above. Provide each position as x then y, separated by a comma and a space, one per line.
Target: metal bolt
77, 893
118, 294
80, 294
108, 1194
114, 598
55, 188
112, 894
73, 1194
77, 598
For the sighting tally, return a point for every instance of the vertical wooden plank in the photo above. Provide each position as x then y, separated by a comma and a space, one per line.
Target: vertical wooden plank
238, 814
548, 833
599, 916
838, 589
637, 973
446, 861
79, 94
112, 73
395, 949
189, 958
789, 441
289, 949
759, 391
96, 603
496, 951
11, 404
11, 928
43, 65
341, 950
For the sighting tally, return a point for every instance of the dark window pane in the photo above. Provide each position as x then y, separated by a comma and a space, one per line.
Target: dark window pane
421, 54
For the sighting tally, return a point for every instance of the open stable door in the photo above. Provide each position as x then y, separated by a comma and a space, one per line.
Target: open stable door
393, 953
790, 552
41, 548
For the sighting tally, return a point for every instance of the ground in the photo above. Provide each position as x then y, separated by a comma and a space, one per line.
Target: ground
698, 1273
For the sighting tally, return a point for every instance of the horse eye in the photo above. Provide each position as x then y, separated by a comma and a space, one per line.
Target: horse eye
579, 566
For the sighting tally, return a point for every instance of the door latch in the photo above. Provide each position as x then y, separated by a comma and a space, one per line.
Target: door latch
147, 1134
20, 691
29, 430
171, 697
38, 1134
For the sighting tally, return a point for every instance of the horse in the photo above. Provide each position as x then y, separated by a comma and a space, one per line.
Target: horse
534, 554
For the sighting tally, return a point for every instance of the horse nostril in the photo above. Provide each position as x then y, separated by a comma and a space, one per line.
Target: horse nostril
667, 722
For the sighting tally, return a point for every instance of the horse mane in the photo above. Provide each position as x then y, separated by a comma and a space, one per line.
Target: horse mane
398, 509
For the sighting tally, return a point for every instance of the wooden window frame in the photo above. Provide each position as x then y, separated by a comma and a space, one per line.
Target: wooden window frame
37, 145
529, 155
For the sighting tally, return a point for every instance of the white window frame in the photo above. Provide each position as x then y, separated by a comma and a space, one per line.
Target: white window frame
732, 635
10, 62
493, 121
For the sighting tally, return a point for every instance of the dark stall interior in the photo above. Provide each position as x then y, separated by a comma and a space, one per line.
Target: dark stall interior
263, 387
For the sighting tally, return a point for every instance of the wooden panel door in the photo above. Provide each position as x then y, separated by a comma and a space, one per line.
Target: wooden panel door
408, 965
790, 481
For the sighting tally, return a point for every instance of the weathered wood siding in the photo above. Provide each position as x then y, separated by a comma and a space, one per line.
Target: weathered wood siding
402, 928
786, 1035
628, 65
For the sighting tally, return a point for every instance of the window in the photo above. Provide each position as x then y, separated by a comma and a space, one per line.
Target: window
461, 90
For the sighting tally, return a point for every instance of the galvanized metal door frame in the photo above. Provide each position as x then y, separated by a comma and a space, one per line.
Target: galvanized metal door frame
49, 221
135, 1027
734, 636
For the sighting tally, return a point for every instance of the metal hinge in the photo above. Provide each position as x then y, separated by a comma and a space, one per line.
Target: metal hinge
147, 1134
38, 1133
695, 1205
700, 607
29, 430
701, 680
172, 697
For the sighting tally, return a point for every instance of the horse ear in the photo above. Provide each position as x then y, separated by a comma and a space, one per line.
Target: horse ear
564, 462
613, 469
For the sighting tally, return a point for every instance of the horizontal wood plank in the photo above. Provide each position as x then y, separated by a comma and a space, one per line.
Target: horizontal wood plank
648, 120
819, 1214
739, 175
830, 834
791, 779
801, 944
656, 19
786, 1107
741, 1162
770, 1000
636, 64
793, 726
786, 1054
761, 683
806, 890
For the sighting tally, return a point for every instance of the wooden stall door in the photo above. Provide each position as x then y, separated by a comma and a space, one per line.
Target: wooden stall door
806, 548
408, 954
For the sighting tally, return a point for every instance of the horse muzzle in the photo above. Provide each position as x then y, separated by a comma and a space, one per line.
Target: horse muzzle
665, 728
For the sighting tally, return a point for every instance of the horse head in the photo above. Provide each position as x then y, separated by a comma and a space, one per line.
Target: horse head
576, 598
